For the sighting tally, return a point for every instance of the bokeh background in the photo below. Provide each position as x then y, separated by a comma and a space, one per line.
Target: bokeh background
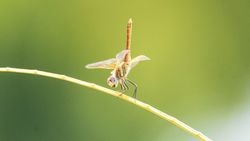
199, 72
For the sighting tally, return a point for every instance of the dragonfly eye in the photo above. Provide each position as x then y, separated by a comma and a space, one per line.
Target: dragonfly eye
112, 81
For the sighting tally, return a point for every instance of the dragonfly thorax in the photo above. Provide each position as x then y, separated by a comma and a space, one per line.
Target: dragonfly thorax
122, 70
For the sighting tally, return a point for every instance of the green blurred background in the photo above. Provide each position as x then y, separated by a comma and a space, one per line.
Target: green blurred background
199, 72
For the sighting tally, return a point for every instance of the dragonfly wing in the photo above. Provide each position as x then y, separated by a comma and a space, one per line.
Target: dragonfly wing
106, 64
138, 59
120, 56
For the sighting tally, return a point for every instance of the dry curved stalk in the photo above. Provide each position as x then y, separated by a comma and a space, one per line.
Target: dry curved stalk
124, 97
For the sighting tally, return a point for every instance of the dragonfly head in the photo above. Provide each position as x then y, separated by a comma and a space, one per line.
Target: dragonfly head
112, 81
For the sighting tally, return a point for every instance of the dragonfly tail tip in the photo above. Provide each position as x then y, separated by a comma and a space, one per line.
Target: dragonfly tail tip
130, 20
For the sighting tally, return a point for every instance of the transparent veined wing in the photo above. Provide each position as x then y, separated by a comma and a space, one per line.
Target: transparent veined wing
138, 59
120, 56
106, 64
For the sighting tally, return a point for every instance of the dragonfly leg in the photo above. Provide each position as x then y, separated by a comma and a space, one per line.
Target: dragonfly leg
135, 85
125, 84
122, 88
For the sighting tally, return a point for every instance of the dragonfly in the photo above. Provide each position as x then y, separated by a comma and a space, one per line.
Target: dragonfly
121, 65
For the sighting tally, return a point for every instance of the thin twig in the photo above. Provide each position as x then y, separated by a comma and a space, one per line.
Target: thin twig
124, 97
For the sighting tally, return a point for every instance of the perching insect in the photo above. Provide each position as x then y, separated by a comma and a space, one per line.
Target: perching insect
121, 65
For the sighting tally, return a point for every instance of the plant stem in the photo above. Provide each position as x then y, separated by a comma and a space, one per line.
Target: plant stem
124, 97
